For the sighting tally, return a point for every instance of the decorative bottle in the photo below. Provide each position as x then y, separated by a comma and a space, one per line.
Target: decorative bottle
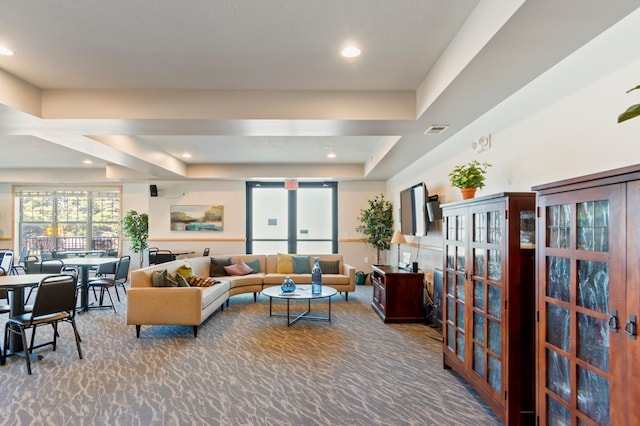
288, 286
316, 277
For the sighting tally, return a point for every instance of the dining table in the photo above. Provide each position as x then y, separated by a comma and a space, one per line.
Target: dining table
16, 285
84, 264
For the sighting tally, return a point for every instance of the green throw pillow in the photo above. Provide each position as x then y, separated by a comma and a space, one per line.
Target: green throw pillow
182, 281
254, 264
330, 266
217, 266
301, 264
158, 277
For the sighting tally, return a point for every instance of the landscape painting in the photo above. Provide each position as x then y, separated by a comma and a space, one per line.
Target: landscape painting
196, 218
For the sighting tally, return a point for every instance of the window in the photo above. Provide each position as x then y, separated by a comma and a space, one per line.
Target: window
302, 221
68, 220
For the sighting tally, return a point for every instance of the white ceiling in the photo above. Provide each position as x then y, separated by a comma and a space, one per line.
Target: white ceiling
257, 88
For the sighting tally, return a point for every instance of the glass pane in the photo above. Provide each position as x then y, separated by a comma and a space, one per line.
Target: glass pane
592, 236
527, 229
557, 415
269, 247
593, 396
451, 257
558, 226
478, 360
460, 293
593, 285
450, 310
106, 209
270, 216
314, 247
451, 227
450, 284
478, 295
73, 207
460, 259
104, 236
495, 228
35, 238
558, 375
37, 209
495, 338
593, 341
479, 227
494, 369
450, 338
460, 345
71, 236
460, 228
495, 265
558, 326
315, 219
460, 316
494, 304
478, 328
558, 278
478, 262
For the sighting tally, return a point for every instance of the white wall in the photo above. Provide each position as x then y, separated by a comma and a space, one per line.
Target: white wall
561, 125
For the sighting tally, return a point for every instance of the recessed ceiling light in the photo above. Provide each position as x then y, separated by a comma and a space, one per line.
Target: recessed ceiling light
350, 52
5, 51
331, 155
87, 161
186, 155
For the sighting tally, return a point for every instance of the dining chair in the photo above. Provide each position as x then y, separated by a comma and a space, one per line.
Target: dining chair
32, 264
55, 302
6, 265
164, 256
206, 252
104, 284
19, 266
51, 266
152, 255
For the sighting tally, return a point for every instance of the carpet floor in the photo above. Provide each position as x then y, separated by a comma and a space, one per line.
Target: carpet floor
244, 368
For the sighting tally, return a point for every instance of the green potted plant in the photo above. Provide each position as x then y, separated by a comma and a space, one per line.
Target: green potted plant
632, 111
136, 227
469, 177
376, 223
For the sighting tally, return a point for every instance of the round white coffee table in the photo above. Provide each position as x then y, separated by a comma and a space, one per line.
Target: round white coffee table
302, 292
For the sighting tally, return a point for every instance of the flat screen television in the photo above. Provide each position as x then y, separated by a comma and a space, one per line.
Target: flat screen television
413, 217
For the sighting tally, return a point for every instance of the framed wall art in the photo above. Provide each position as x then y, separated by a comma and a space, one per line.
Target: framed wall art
196, 218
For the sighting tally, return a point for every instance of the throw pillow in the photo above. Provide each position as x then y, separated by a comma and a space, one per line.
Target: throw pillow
170, 281
254, 265
301, 264
285, 264
239, 268
330, 266
217, 266
182, 281
158, 277
185, 270
195, 281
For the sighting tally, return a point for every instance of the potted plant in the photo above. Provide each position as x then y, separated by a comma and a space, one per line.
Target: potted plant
469, 177
632, 111
376, 223
136, 227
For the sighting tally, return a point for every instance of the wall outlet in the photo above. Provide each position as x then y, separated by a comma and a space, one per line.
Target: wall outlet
366, 260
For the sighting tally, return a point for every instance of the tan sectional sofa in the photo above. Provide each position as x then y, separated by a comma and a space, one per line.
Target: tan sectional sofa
148, 305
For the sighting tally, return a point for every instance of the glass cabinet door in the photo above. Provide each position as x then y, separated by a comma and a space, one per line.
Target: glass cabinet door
455, 278
579, 305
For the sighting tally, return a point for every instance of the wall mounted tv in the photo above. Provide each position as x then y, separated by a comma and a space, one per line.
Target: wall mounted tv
413, 217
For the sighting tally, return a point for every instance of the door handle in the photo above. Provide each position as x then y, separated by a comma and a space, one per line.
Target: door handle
613, 321
630, 327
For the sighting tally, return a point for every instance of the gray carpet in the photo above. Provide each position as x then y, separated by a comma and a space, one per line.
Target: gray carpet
244, 368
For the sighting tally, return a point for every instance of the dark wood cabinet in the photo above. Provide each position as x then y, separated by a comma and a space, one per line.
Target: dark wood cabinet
397, 295
488, 300
588, 299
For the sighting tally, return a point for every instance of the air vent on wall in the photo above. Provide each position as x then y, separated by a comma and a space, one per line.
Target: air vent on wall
436, 129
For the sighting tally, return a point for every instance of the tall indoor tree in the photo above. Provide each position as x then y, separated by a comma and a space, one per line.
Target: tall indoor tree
376, 223
136, 227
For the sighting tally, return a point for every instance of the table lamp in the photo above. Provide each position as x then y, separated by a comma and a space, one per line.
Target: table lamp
398, 239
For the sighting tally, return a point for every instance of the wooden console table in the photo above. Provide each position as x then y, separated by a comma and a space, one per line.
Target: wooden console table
398, 295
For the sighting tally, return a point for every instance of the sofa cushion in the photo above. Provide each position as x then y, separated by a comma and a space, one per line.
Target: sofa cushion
213, 293
301, 264
217, 266
195, 281
254, 265
239, 268
182, 281
330, 266
285, 263
185, 270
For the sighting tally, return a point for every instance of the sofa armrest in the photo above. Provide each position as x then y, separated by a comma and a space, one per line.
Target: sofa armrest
165, 305
350, 271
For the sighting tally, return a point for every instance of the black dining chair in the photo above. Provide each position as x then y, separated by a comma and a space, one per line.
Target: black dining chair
152, 255
19, 265
206, 252
164, 256
55, 302
104, 284
6, 264
51, 266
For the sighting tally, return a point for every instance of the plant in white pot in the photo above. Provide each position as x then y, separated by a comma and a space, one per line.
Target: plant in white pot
469, 177
136, 227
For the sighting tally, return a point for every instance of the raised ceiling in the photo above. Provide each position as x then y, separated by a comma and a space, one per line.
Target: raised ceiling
257, 88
